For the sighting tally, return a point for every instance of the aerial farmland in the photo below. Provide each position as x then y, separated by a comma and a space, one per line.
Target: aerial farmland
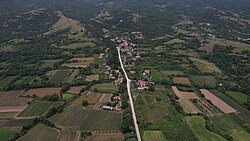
133, 70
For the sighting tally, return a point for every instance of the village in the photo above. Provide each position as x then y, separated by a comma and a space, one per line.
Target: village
130, 54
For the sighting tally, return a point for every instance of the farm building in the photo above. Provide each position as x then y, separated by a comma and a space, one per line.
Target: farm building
107, 108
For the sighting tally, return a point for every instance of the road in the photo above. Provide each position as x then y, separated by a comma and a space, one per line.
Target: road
130, 98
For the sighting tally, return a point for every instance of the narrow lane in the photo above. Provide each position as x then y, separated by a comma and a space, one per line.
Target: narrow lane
130, 98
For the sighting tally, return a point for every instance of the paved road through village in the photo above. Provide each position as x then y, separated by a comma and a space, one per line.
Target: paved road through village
130, 98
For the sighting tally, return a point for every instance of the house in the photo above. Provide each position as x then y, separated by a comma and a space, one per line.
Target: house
119, 81
107, 108
118, 108
142, 85
117, 97
101, 55
111, 76
147, 71
132, 72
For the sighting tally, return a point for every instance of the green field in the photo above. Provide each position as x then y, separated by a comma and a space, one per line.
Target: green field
172, 72
6, 135
243, 112
60, 76
67, 96
153, 136
205, 66
156, 114
202, 81
40, 133
225, 125
105, 87
238, 96
197, 124
18, 122
38, 108
180, 132
93, 120
156, 75
6, 81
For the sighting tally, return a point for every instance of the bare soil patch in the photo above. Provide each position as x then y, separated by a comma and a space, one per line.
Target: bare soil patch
224, 107
181, 80
76, 89
11, 98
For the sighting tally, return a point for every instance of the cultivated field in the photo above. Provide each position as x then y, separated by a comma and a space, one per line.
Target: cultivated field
238, 96
106, 137
38, 108
239, 46
92, 98
224, 107
79, 62
7, 134
179, 132
40, 133
92, 77
153, 136
41, 92
105, 87
17, 122
6, 81
243, 112
75, 89
184, 99
73, 75
88, 120
172, 72
205, 66
228, 126
60, 76
181, 80
105, 98
11, 98
197, 125
203, 81
68, 136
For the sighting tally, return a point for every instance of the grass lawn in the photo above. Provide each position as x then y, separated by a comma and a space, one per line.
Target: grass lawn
60, 76
6, 135
6, 81
197, 124
241, 136
38, 108
175, 41
238, 96
105, 87
202, 81
40, 133
153, 136
91, 120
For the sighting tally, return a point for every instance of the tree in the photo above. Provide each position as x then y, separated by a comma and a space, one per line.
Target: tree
85, 103
65, 88
151, 88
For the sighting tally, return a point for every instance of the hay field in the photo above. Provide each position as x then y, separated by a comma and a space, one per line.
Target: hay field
38, 108
92, 77
40, 133
205, 66
41, 92
153, 136
181, 80
197, 124
88, 120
